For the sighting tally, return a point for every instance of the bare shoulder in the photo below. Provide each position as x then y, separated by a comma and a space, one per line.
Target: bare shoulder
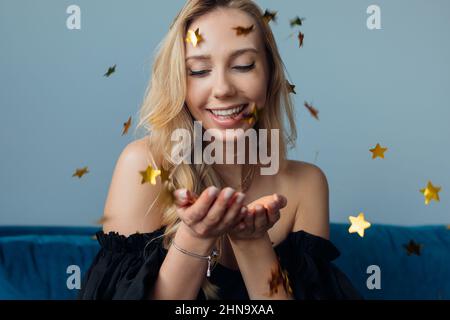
128, 202
310, 185
304, 174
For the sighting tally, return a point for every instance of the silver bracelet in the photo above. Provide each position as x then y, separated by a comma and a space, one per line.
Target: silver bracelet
209, 258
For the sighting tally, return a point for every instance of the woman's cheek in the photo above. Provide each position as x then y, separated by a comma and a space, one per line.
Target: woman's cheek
255, 89
195, 96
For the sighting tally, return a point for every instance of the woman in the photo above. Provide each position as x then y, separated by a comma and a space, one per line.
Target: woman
219, 231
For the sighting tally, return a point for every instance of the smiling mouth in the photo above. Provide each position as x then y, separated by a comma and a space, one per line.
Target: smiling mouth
228, 113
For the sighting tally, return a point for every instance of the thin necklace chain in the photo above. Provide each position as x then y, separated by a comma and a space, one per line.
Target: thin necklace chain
247, 181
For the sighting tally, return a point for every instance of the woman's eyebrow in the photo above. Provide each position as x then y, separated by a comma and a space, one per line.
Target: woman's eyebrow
233, 54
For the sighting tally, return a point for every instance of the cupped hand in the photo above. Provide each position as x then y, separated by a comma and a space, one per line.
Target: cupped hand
211, 214
262, 214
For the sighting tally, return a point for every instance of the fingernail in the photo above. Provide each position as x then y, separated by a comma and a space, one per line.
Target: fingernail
182, 194
228, 193
240, 197
258, 207
213, 191
243, 210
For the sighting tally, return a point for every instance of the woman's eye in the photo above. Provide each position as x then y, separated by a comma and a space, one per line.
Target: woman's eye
203, 72
245, 68
197, 73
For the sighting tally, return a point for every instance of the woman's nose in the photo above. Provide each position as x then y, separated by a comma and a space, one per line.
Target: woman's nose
223, 86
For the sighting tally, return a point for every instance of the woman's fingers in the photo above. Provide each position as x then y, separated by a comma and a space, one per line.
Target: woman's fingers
273, 208
218, 209
198, 210
273, 213
183, 197
234, 213
224, 210
249, 221
260, 217
280, 200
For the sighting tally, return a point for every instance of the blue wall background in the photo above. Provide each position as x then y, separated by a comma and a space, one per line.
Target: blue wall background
389, 86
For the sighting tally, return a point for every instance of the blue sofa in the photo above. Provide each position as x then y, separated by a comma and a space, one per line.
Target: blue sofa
34, 261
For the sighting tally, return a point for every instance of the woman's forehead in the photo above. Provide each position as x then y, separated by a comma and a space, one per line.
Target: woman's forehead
219, 35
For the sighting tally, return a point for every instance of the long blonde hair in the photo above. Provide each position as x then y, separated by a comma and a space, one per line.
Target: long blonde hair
163, 109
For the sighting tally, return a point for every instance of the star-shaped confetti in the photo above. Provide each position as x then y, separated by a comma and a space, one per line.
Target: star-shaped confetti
149, 175
80, 172
110, 71
253, 115
291, 87
194, 37
243, 30
413, 248
270, 16
430, 192
313, 111
378, 151
126, 126
300, 37
279, 277
358, 224
296, 21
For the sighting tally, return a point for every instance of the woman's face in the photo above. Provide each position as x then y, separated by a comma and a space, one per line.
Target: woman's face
226, 74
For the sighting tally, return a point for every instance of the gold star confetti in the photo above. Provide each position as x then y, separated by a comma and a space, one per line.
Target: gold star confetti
296, 21
431, 192
413, 248
300, 37
243, 31
253, 116
126, 126
291, 87
194, 37
80, 172
149, 175
270, 16
110, 71
359, 224
279, 277
378, 151
313, 111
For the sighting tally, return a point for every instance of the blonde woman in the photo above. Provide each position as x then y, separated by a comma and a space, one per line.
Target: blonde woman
221, 230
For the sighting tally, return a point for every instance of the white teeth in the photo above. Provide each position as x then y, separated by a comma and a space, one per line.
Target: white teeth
228, 112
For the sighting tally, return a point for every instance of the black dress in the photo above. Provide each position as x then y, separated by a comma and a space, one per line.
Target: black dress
122, 269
